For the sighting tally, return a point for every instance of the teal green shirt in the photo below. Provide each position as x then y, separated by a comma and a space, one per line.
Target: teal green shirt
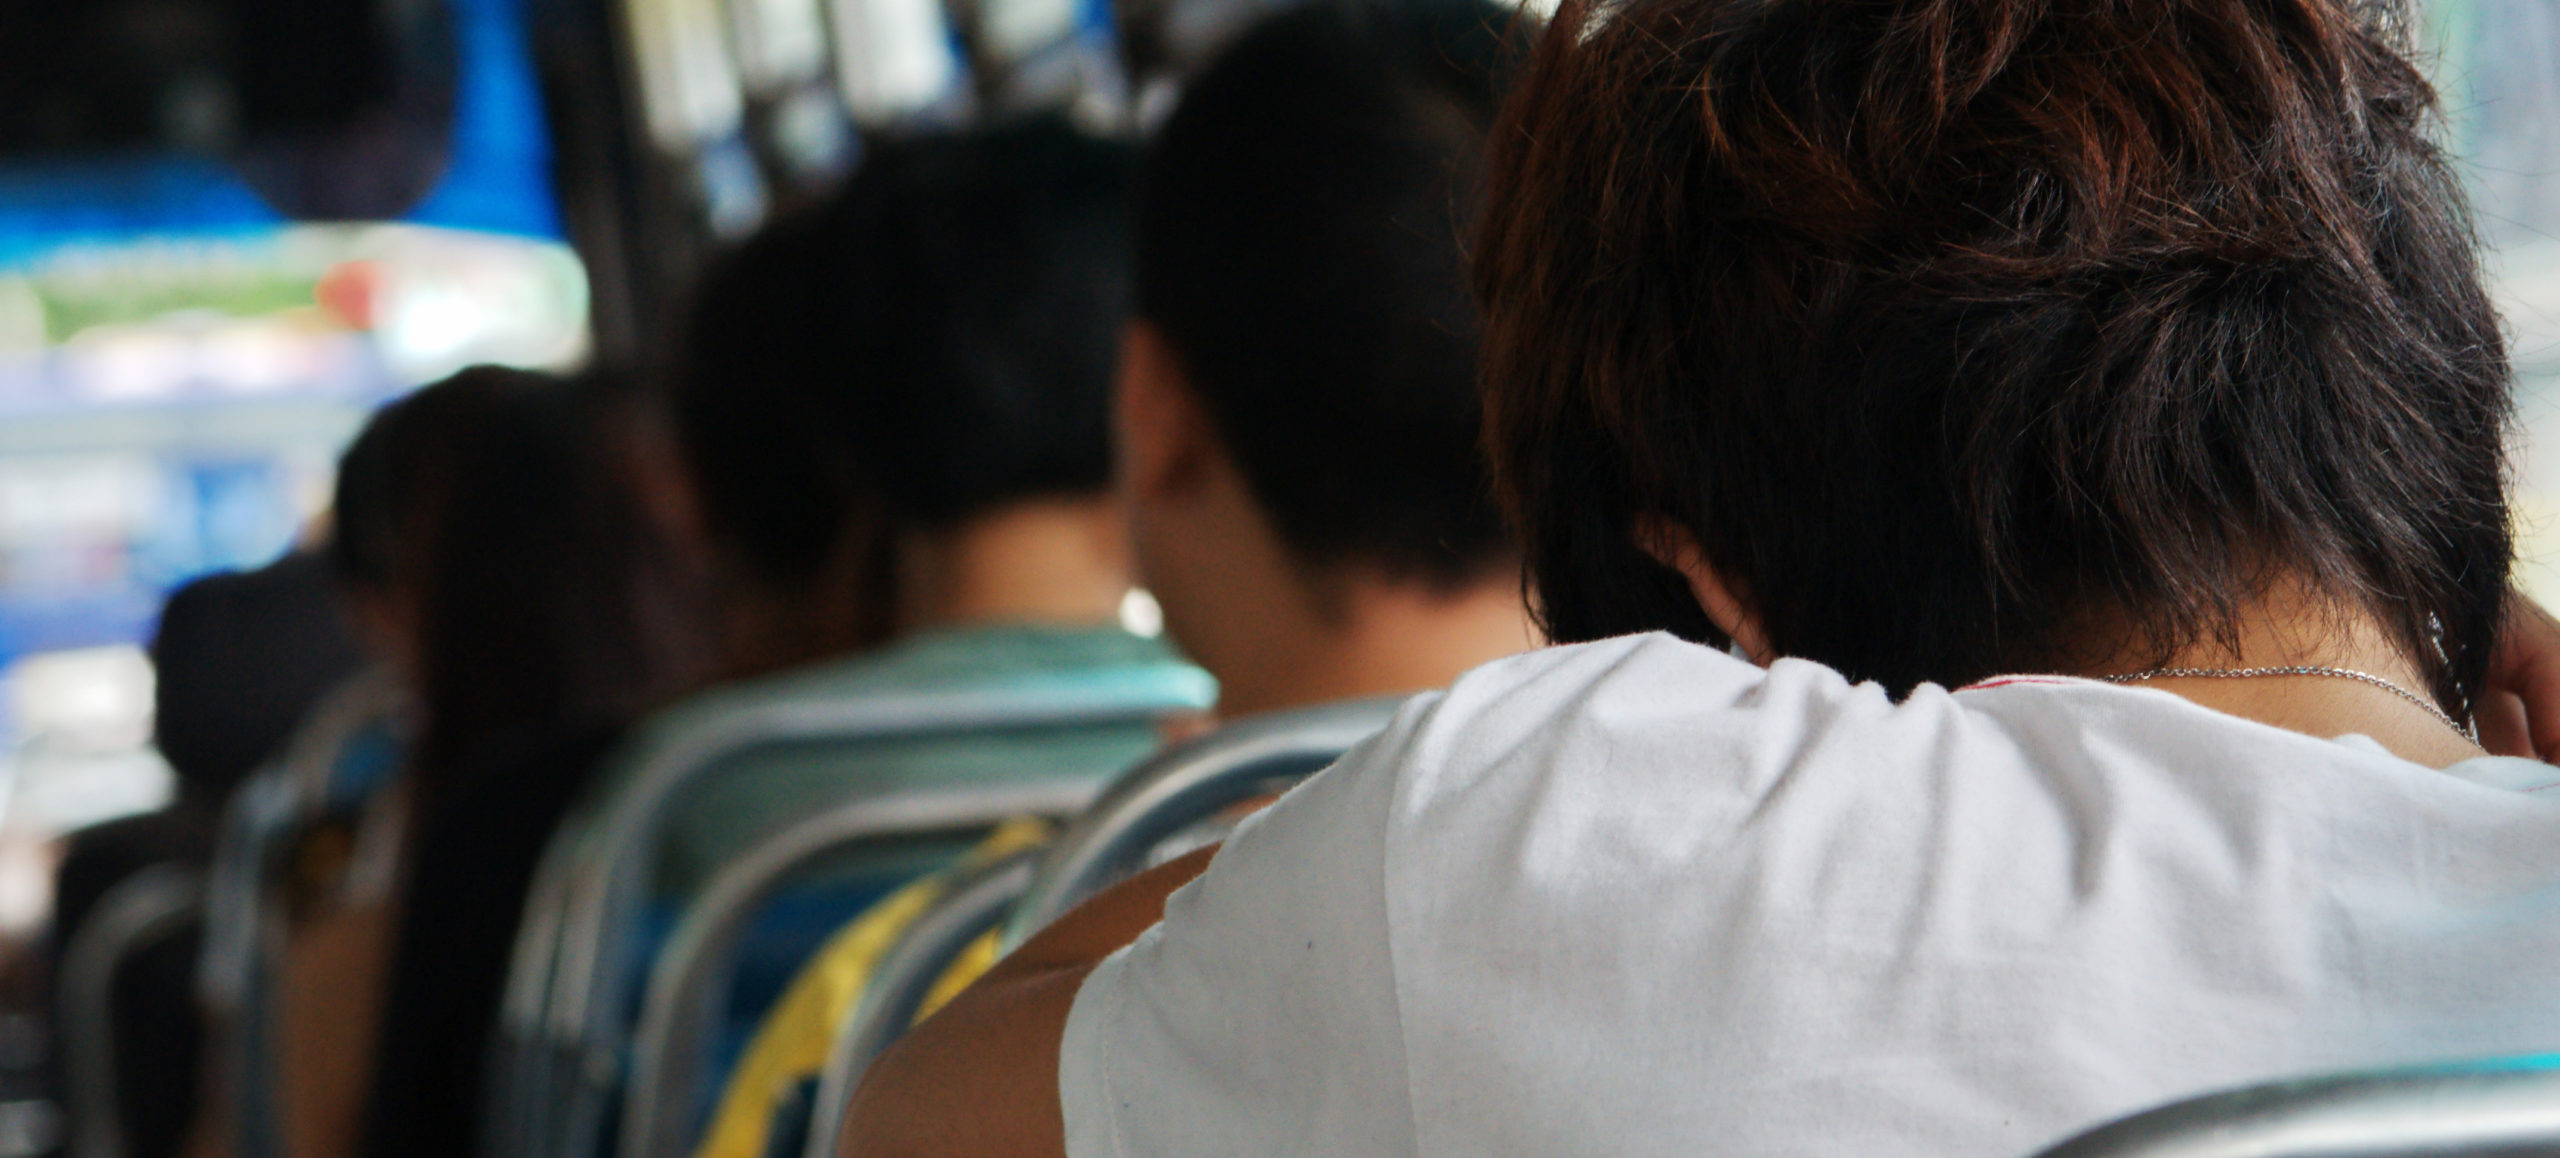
728, 807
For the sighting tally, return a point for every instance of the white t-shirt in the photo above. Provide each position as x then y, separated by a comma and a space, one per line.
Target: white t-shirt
1637, 897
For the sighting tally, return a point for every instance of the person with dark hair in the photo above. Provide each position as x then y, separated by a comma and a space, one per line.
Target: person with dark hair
1296, 408
892, 418
239, 658
1844, 361
515, 591
889, 421
1297, 399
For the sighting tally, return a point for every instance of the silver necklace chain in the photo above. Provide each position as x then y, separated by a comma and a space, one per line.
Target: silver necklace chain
2469, 732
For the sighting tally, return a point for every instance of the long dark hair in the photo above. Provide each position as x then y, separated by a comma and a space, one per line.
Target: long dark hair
547, 618
491, 499
1952, 327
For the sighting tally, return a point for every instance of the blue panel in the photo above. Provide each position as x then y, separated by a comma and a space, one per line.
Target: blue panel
498, 179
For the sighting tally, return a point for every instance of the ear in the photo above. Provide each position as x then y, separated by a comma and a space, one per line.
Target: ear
1726, 603
1163, 436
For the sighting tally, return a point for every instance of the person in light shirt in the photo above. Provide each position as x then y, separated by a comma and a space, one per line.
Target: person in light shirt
2019, 487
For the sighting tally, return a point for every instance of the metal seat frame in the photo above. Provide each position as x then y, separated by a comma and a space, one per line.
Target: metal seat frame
244, 932
1153, 802
563, 1027
138, 912
2494, 1109
976, 905
687, 986
1194, 782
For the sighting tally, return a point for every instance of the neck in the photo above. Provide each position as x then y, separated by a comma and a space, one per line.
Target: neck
1372, 638
1052, 561
2293, 629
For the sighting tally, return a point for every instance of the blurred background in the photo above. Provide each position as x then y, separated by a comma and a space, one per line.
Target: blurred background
229, 229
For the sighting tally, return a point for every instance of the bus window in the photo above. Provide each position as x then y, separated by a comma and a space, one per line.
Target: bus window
180, 364
2498, 62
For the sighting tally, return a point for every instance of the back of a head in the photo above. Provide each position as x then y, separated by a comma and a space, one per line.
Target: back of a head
241, 657
1958, 331
932, 346
1301, 246
489, 502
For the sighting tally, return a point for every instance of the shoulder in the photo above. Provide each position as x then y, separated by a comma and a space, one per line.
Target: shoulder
1599, 714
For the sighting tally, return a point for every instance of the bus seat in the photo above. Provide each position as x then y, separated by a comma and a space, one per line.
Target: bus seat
2488, 1109
348, 749
895, 998
160, 909
1160, 799
567, 1022
689, 986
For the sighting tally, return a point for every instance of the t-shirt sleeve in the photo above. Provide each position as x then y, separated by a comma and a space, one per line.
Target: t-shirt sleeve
1260, 1017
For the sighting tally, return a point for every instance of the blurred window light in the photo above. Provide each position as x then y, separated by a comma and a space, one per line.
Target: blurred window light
28, 1126
2497, 63
22, 320
689, 86
781, 44
180, 367
1140, 614
174, 405
77, 726
91, 700
1017, 29
894, 58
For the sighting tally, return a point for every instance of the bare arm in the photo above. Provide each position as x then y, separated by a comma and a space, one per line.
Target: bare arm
980, 1078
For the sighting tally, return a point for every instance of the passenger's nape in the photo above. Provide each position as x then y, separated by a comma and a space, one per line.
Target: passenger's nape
866, 389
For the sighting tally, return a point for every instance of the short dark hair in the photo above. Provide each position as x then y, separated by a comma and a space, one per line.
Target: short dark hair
931, 345
1950, 329
1301, 224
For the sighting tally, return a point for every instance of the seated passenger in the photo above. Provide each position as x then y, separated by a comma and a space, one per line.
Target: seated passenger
503, 572
239, 659
892, 419
2087, 419
1297, 416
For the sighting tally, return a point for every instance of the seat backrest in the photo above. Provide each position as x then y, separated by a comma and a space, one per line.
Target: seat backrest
687, 981
270, 809
1183, 787
140, 912
243, 929
2490, 1109
975, 906
564, 1028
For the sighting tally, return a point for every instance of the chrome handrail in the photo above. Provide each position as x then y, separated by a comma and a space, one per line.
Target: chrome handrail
685, 984
2492, 1109
975, 905
1190, 783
